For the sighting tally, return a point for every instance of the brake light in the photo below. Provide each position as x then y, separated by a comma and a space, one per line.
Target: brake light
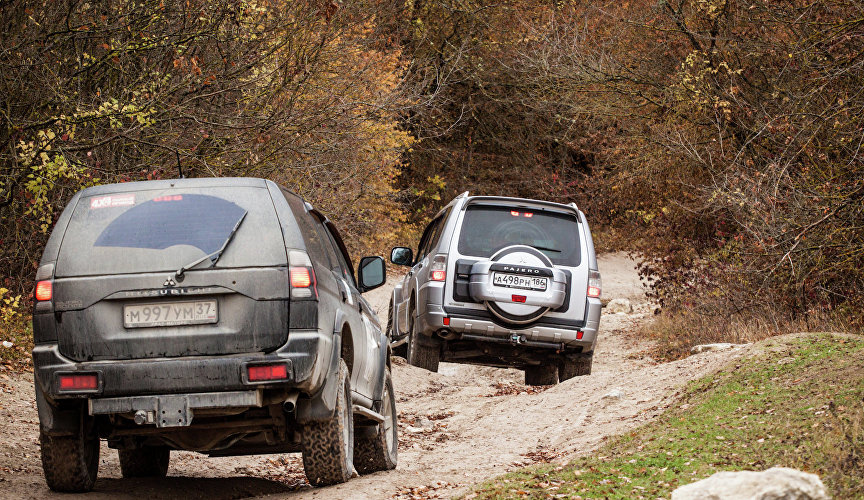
519, 298
528, 215
44, 290
300, 277
514, 213
87, 382
267, 372
594, 284
446, 321
438, 269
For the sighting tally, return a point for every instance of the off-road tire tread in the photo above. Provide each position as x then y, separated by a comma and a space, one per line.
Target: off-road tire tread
150, 461
65, 462
420, 355
371, 453
541, 375
324, 458
575, 368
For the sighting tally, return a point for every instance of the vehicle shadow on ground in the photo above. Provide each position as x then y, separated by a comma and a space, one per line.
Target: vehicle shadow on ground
223, 488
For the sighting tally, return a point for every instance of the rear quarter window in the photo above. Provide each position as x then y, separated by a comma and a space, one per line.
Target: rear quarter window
161, 230
487, 229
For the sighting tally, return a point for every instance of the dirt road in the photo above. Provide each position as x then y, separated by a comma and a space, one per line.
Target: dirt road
457, 427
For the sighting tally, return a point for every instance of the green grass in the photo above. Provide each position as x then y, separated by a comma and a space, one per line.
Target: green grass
798, 402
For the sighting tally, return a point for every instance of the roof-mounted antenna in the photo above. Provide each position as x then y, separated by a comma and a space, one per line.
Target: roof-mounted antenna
179, 167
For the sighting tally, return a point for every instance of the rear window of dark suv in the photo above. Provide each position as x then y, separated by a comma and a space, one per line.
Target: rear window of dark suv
487, 229
164, 229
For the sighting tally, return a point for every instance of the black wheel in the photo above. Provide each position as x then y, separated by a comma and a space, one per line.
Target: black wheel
150, 461
420, 353
328, 447
401, 351
577, 367
70, 463
377, 451
541, 375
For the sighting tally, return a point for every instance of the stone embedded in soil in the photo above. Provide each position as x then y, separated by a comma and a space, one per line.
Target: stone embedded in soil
721, 346
619, 306
775, 483
614, 394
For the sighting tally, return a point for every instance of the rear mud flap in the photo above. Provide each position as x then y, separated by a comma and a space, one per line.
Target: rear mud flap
322, 405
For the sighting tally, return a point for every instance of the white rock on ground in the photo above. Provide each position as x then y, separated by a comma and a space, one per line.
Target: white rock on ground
613, 394
777, 483
722, 346
616, 306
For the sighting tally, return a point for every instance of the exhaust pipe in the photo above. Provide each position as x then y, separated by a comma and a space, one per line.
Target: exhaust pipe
290, 404
448, 334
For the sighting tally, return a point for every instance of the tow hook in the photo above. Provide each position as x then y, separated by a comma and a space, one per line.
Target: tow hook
517, 339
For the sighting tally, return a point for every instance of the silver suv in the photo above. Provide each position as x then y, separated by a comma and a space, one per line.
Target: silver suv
498, 281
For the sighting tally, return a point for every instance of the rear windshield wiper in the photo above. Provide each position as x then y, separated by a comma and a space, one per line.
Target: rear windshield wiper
547, 249
214, 257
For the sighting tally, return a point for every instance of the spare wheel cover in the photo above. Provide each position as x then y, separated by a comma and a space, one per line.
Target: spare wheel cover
511, 312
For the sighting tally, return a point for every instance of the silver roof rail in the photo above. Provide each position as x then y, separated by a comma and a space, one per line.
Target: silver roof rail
463, 195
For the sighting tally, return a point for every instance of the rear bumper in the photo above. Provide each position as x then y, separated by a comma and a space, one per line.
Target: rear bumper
553, 333
307, 355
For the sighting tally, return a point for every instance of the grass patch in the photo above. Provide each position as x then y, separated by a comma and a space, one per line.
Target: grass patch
798, 402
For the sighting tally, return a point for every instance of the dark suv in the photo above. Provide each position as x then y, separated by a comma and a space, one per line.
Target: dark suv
503, 282
214, 315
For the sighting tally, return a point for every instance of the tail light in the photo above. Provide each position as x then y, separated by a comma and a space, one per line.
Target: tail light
519, 298
594, 285
438, 269
78, 382
263, 373
302, 276
44, 290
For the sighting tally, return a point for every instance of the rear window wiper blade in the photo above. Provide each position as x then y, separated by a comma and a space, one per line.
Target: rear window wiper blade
214, 257
547, 249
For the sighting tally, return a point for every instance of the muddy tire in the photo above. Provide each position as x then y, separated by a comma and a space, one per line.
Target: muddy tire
70, 463
541, 375
420, 353
378, 451
401, 351
578, 367
150, 461
328, 446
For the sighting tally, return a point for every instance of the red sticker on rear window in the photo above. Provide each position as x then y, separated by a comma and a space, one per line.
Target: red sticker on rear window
115, 200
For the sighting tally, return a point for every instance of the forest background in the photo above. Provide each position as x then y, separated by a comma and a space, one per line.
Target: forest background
718, 140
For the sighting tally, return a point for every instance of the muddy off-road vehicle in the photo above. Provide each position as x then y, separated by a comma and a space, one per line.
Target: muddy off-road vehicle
215, 315
501, 282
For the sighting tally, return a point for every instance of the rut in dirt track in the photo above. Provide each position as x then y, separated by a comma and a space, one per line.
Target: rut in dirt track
457, 427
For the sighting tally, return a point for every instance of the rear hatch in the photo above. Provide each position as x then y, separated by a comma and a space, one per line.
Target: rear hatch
521, 261
116, 287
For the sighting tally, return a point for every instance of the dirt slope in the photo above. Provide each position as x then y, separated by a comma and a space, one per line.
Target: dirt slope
457, 427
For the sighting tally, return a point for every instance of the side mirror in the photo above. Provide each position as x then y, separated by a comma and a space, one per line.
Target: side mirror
402, 256
371, 273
